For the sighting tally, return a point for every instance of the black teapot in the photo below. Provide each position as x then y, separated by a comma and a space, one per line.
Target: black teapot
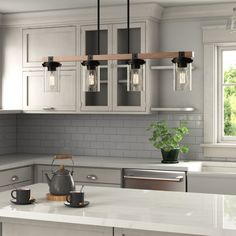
62, 181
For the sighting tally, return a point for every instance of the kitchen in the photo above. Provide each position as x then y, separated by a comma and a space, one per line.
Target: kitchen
107, 134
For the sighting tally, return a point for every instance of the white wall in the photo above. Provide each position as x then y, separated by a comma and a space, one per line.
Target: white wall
182, 36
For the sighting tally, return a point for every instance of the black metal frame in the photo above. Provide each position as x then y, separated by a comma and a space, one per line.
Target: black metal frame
51, 65
182, 61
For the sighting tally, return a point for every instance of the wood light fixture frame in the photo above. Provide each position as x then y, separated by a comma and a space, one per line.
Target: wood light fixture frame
120, 57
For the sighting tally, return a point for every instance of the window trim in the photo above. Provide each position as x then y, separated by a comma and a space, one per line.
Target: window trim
221, 85
213, 38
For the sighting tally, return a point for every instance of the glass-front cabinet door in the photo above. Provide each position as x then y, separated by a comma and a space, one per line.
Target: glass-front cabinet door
124, 100
97, 101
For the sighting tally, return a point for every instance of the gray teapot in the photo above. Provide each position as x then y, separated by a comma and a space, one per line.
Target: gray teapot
62, 181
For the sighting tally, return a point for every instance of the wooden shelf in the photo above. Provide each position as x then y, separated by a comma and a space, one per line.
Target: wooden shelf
176, 109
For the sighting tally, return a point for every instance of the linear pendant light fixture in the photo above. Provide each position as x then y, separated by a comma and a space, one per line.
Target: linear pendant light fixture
135, 81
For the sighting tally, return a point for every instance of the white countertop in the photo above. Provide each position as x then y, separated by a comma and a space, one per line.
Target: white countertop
177, 212
17, 160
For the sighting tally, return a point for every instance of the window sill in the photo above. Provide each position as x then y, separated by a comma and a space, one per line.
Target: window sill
227, 150
10, 111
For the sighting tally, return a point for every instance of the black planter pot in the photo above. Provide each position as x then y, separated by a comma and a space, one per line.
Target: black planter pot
170, 157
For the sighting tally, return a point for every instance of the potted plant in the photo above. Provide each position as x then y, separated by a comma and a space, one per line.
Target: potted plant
168, 140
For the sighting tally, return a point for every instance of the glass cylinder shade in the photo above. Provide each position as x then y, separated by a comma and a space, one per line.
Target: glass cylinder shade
91, 78
135, 78
52, 80
231, 22
183, 77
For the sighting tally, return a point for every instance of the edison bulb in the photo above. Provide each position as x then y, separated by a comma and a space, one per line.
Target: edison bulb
52, 81
91, 79
135, 79
182, 77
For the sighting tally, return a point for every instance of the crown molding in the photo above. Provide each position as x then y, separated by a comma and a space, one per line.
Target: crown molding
83, 15
200, 11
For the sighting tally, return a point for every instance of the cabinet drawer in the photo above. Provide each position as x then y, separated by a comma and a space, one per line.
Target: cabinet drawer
97, 175
18, 175
16, 185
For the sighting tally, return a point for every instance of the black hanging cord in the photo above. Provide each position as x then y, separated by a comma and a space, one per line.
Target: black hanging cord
98, 25
128, 26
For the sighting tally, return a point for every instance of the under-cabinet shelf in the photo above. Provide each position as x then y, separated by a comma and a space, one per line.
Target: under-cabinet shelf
166, 67
176, 109
119, 81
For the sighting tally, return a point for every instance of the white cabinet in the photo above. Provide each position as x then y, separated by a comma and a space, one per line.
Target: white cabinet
208, 182
51, 228
16, 177
85, 175
113, 95
36, 97
97, 101
48, 41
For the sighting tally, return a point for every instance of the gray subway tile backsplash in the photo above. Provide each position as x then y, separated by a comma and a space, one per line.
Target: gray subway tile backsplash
101, 135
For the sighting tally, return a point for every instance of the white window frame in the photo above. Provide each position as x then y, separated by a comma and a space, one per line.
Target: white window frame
214, 37
221, 85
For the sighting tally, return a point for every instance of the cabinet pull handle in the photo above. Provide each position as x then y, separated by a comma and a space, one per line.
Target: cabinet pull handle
48, 108
14, 178
92, 177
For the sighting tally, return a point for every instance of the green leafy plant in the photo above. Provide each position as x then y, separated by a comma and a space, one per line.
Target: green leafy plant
167, 138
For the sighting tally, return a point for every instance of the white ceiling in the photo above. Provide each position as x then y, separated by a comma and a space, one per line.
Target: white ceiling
12, 6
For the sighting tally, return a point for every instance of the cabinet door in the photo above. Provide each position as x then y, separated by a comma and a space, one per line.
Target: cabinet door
40, 228
84, 175
217, 183
133, 232
36, 96
124, 100
97, 101
50, 41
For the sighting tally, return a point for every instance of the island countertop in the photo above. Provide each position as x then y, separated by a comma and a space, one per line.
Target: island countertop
173, 212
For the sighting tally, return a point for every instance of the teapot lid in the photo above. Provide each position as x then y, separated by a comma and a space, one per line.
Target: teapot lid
62, 171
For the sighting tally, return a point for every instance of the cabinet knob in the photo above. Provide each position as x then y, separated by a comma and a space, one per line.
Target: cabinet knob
14, 178
92, 177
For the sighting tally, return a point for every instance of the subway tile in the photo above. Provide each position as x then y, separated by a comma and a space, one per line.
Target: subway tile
103, 152
130, 153
108, 130
199, 124
179, 117
195, 117
116, 153
123, 131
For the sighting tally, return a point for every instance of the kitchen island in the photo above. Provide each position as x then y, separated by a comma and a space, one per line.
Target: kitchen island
119, 212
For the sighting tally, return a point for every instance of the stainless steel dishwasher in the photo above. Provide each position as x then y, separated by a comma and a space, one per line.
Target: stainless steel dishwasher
155, 179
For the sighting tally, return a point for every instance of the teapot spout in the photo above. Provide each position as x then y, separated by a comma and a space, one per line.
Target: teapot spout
48, 179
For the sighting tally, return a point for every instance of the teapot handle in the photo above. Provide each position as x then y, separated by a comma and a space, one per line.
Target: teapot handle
63, 157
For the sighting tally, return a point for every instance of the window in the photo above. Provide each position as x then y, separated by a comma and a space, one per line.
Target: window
227, 94
219, 92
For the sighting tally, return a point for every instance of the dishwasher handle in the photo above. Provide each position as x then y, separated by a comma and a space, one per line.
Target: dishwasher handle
176, 179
